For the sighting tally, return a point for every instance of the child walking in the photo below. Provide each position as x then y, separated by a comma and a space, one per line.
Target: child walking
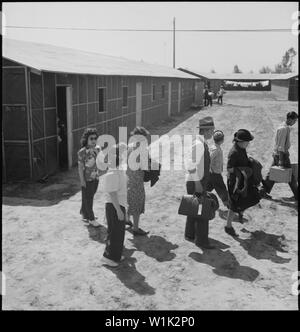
88, 174
216, 181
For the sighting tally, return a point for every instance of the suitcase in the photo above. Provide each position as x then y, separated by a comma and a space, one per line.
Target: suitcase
295, 171
280, 175
205, 206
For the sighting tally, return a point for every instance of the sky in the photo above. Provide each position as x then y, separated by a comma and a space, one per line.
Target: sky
196, 50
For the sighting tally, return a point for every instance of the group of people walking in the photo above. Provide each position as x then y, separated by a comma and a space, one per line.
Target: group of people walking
125, 193
245, 185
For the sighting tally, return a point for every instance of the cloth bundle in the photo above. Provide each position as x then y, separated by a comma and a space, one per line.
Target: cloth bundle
245, 193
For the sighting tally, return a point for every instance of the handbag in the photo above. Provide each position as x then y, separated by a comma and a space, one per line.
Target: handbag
189, 205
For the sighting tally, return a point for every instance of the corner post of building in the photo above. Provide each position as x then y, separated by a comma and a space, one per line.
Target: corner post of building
29, 119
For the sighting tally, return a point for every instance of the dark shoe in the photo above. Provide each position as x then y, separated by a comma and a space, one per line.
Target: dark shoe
241, 218
230, 231
139, 232
263, 194
206, 246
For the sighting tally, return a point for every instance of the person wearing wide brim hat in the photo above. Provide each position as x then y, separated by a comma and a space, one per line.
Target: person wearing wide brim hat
197, 177
237, 157
243, 135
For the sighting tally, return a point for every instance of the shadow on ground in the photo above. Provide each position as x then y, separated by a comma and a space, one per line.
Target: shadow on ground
155, 246
97, 233
286, 201
261, 245
55, 189
225, 264
218, 244
130, 277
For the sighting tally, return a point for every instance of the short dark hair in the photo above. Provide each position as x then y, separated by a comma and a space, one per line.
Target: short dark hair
219, 137
292, 116
140, 131
86, 134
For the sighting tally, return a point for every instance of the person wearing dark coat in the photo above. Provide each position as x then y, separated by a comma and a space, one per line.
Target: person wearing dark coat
206, 96
241, 190
210, 98
196, 228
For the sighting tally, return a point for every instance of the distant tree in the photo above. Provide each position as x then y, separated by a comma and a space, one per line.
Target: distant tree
251, 71
236, 69
285, 66
213, 71
265, 70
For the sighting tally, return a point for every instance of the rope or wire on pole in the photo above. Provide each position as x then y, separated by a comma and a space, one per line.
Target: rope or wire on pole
149, 30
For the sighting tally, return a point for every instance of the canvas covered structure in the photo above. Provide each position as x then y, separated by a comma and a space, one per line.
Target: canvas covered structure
214, 80
103, 92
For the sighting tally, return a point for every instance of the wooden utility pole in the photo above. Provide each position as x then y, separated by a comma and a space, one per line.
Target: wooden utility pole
174, 42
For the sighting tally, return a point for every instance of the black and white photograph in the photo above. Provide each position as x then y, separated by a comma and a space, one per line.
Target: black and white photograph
150, 158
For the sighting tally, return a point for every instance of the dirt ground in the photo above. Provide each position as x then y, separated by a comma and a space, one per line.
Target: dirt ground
51, 259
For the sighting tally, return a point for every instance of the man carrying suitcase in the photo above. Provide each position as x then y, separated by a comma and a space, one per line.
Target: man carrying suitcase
281, 156
197, 177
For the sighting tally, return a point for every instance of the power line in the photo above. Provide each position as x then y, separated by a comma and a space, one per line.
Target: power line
149, 30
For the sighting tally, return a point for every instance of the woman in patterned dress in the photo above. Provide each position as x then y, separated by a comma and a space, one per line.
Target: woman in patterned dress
135, 188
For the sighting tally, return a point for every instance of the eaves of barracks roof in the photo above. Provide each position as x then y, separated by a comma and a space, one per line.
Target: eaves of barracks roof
45, 57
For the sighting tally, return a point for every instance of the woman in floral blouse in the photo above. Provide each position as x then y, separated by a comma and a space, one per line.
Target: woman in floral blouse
88, 174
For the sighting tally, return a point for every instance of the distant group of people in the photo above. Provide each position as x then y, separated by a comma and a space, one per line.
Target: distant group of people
209, 95
125, 193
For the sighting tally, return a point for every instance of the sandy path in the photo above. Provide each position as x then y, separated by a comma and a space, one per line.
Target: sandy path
51, 260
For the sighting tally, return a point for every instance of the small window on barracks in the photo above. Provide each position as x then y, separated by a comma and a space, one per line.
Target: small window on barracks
125, 96
101, 100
